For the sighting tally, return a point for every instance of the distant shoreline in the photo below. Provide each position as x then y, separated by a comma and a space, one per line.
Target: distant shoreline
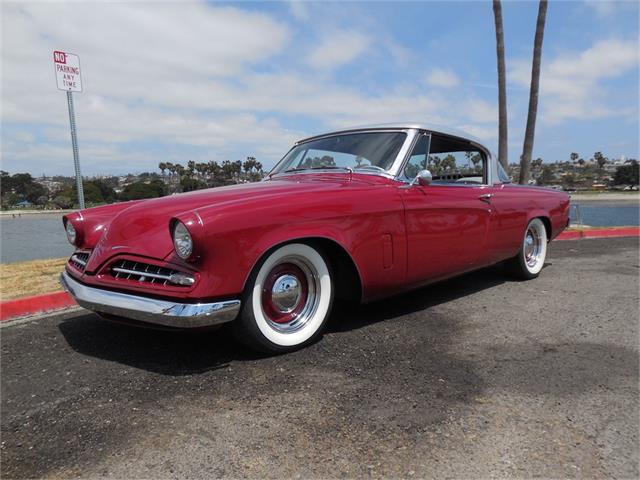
8, 213
632, 197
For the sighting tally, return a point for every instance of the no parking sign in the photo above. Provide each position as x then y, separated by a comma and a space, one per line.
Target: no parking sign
67, 66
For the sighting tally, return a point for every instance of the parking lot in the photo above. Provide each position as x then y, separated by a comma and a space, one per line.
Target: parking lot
479, 376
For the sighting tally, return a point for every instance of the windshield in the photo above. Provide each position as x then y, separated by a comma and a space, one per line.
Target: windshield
373, 151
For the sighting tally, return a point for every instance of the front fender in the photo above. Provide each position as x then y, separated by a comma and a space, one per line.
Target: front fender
91, 223
370, 229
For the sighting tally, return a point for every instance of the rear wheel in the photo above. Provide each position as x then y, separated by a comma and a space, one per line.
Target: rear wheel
287, 300
533, 252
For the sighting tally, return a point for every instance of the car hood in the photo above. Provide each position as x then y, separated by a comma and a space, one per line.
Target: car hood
143, 228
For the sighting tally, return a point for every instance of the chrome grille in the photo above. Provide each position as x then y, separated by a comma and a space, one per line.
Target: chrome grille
79, 260
144, 273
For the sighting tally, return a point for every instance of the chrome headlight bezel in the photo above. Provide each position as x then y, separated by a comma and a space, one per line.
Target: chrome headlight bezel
72, 233
182, 240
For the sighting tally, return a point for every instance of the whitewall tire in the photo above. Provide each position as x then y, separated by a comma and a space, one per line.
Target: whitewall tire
533, 251
287, 300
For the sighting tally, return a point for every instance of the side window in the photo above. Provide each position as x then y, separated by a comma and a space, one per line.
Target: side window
502, 175
456, 161
418, 159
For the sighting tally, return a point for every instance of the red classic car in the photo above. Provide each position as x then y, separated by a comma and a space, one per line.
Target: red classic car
357, 214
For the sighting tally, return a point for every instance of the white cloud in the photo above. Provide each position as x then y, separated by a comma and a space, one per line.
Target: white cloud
571, 84
603, 8
186, 80
439, 77
338, 48
481, 111
299, 9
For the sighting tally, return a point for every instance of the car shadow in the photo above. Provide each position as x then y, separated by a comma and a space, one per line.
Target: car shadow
169, 352
179, 352
350, 315
548, 369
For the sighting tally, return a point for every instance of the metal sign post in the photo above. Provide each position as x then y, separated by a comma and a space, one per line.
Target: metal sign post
74, 143
68, 78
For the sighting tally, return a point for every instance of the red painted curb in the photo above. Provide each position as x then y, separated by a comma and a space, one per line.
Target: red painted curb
21, 307
614, 232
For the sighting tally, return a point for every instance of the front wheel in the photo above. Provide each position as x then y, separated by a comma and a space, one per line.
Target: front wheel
287, 300
533, 252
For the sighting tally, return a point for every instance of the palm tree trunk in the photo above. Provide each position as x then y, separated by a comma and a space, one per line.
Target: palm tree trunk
502, 87
527, 150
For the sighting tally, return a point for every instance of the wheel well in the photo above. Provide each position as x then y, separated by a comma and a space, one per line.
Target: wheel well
345, 273
547, 226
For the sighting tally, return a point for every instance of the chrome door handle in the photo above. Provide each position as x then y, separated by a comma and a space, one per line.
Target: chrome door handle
486, 197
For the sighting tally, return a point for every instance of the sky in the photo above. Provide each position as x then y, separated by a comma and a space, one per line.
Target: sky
178, 81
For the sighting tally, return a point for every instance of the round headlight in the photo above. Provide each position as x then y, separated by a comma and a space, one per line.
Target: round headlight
182, 241
71, 233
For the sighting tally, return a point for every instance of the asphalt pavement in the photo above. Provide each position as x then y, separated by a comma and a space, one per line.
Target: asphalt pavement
480, 376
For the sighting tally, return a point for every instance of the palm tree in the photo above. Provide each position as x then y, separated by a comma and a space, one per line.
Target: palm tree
600, 159
191, 167
502, 87
527, 149
574, 157
201, 168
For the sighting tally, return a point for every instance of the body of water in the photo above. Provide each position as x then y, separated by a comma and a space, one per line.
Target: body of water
31, 237
607, 214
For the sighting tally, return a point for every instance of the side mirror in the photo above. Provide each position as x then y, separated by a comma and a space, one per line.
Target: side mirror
424, 178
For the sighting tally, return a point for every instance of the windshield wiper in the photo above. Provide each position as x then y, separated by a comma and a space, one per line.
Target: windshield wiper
319, 167
372, 167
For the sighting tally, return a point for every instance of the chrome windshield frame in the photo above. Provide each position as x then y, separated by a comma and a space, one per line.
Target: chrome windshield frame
391, 173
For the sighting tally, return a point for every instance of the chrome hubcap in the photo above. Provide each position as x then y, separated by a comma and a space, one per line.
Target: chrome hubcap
285, 293
290, 294
532, 247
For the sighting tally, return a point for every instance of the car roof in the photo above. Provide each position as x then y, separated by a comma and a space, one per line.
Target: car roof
403, 126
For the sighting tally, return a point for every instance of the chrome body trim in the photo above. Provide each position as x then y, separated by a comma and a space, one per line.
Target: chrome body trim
141, 274
150, 310
175, 278
77, 259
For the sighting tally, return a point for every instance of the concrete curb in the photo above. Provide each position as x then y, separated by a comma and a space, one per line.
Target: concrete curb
22, 307
609, 232
50, 302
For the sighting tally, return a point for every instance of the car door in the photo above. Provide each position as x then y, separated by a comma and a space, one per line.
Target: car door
447, 221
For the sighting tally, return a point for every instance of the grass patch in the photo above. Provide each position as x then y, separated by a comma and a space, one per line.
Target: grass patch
23, 279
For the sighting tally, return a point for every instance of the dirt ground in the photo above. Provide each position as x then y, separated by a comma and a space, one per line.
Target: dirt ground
479, 376
22, 279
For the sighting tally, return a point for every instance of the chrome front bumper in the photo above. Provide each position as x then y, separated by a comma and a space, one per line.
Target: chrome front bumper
150, 310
